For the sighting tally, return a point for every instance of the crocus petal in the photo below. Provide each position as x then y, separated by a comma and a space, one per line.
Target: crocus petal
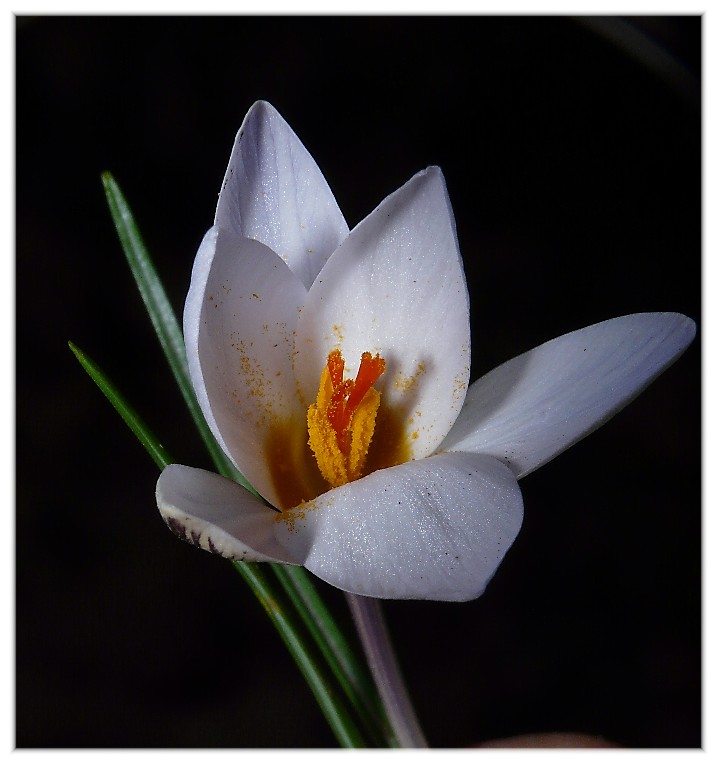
396, 286
530, 409
239, 319
431, 529
218, 515
274, 192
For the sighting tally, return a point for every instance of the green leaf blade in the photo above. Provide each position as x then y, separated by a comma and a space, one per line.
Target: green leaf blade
162, 317
333, 708
152, 445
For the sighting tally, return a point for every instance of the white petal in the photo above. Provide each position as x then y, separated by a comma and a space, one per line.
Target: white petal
396, 286
218, 515
536, 405
274, 192
239, 320
437, 528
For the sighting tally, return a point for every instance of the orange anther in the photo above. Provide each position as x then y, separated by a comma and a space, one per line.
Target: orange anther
347, 395
336, 364
368, 374
342, 421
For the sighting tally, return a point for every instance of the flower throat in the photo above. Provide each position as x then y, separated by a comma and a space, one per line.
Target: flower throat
349, 432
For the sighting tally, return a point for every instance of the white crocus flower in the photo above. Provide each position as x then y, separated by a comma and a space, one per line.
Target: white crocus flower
297, 329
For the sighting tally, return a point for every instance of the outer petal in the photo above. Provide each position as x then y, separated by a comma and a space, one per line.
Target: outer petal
239, 319
274, 192
396, 286
218, 515
431, 529
536, 405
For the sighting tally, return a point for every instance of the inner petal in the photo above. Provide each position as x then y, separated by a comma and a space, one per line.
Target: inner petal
239, 324
274, 192
396, 286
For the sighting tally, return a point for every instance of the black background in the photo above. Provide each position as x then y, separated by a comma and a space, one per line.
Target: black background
574, 171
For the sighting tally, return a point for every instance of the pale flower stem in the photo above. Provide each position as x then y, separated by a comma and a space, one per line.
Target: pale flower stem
383, 664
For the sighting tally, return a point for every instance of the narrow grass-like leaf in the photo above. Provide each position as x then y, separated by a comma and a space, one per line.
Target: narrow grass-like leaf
333, 708
131, 418
162, 316
349, 670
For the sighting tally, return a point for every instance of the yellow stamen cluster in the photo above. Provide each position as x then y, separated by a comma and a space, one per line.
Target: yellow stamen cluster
341, 422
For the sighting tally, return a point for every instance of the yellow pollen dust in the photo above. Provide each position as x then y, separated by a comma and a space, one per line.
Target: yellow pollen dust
341, 422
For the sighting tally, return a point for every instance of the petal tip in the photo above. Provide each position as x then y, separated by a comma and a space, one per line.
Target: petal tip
217, 515
260, 109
